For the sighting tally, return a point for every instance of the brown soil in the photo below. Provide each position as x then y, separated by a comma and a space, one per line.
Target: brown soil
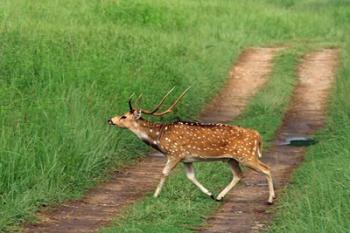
245, 208
104, 202
247, 76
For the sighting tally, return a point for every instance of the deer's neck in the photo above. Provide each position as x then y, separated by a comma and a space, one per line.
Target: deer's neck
147, 131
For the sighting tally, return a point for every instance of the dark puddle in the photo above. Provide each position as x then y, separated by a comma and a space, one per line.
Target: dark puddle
298, 141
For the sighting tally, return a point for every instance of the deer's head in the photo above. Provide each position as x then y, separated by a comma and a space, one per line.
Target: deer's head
130, 119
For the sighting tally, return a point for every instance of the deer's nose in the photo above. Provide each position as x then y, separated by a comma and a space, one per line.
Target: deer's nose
110, 122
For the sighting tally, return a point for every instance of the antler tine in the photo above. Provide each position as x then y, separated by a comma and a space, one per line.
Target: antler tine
137, 101
130, 104
159, 105
170, 109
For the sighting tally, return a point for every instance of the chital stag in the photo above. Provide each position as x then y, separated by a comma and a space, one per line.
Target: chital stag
188, 142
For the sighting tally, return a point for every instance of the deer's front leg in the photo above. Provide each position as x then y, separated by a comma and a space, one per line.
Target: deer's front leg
170, 165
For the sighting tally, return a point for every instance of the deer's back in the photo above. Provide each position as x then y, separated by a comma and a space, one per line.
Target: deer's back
213, 140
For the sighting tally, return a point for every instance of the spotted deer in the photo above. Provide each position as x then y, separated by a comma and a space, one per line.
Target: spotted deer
188, 142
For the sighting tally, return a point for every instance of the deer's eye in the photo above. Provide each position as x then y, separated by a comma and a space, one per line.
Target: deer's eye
122, 117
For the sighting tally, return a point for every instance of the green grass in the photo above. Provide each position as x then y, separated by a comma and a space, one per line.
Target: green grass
181, 206
66, 66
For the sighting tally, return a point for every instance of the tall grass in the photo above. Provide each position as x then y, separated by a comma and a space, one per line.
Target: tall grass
66, 66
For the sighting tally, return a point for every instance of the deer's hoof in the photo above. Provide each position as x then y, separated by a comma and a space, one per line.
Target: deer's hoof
219, 199
212, 197
269, 202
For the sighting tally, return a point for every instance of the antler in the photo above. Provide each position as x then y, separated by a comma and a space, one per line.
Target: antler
170, 109
130, 104
159, 105
138, 100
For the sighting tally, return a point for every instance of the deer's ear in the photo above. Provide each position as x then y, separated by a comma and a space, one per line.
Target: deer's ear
137, 114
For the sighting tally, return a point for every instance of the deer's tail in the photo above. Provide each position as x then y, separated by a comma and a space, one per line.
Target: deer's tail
259, 146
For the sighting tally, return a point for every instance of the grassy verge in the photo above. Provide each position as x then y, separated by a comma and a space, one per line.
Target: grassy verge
181, 205
318, 198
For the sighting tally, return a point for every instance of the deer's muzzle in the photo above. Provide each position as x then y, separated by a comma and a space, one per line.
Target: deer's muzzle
110, 122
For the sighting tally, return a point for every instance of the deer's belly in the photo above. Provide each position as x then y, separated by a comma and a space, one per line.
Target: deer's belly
203, 158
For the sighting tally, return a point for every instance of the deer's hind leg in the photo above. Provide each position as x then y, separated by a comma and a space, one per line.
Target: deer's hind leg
237, 176
191, 176
259, 166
